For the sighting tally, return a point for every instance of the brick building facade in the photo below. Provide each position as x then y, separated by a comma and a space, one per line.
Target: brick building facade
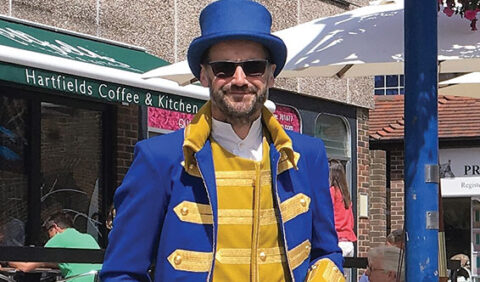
458, 131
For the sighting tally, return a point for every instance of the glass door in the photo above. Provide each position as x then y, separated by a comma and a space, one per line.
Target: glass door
13, 172
71, 164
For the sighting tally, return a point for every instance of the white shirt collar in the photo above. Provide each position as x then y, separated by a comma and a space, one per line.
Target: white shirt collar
249, 148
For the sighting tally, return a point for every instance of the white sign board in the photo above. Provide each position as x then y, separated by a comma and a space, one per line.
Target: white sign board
460, 172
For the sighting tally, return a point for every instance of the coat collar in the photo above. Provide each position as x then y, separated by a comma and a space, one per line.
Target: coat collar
198, 131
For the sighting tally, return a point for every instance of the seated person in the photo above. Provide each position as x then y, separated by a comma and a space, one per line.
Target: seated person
383, 264
63, 235
12, 233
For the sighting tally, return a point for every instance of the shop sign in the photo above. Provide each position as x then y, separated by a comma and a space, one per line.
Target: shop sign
83, 87
288, 117
76, 47
168, 120
460, 172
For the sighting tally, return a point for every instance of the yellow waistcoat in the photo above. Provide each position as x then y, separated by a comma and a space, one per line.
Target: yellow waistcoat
249, 243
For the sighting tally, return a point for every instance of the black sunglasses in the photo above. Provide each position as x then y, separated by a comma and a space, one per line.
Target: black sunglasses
226, 69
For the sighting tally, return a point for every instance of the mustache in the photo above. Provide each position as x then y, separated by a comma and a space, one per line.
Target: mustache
243, 88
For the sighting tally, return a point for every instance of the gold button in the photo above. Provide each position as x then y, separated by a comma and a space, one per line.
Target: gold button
191, 166
263, 256
184, 211
178, 259
314, 266
303, 202
307, 247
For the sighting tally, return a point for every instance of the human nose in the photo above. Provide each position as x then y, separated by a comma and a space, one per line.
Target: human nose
239, 77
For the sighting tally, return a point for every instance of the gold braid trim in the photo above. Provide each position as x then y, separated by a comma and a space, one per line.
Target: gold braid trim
242, 178
202, 214
190, 260
324, 270
285, 164
299, 254
294, 206
244, 216
243, 256
194, 213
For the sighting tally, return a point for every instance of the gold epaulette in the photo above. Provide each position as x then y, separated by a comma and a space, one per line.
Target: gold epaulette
324, 270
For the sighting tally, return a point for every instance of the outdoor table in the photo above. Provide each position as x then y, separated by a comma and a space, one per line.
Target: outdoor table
11, 274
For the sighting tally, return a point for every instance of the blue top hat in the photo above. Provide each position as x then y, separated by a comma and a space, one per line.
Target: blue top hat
235, 19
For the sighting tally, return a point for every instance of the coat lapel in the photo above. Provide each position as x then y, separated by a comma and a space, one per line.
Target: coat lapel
205, 165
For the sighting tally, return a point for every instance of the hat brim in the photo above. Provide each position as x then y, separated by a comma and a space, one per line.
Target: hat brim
275, 45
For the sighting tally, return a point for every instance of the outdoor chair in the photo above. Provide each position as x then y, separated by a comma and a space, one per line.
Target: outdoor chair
6, 278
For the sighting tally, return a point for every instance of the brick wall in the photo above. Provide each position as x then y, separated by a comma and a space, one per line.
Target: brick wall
363, 176
127, 137
397, 188
377, 198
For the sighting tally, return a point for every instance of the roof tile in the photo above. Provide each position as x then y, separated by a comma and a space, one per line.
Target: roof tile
457, 117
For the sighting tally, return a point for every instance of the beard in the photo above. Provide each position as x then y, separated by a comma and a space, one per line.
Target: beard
236, 107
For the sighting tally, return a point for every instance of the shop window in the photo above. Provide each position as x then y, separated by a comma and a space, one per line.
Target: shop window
55, 155
456, 217
13, 174
389, 85
71, 151
335, 133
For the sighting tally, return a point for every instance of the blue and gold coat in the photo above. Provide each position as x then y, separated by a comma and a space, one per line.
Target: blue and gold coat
172, 179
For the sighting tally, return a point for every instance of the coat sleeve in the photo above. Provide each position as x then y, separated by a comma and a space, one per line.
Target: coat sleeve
140, 202
324, 236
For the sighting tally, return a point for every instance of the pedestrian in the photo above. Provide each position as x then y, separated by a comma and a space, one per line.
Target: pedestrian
383, 264
342, 208
233, 197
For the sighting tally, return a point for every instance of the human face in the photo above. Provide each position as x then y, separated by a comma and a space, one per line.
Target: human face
378, 274
53, 230
237, 97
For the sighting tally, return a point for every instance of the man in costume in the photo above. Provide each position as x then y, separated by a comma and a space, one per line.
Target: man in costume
233, 197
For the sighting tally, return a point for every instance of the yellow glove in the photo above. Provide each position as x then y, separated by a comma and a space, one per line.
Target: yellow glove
324, 270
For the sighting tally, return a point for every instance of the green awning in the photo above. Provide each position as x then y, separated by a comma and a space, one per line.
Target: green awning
76, 64
90, 50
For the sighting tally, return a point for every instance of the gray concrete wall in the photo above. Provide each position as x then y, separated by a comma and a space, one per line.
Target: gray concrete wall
166, 27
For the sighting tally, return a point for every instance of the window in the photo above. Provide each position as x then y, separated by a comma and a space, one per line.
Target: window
334, 132
70, 168
54, 156
13, 174
389, 85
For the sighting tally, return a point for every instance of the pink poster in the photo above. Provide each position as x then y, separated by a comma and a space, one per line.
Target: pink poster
172, 120
166, 119
288, 118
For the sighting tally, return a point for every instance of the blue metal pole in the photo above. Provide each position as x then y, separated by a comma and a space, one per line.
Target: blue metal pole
421, 140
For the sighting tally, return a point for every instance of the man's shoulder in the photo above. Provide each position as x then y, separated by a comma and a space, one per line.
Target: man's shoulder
172, 137
72, 238
166, 145
303, 141
59, 239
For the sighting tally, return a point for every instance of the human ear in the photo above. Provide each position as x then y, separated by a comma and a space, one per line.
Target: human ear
271, 78
204, 76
